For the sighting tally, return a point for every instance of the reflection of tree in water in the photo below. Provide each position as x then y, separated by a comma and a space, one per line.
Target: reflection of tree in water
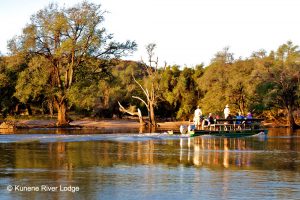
102, 163
286, 142
213, 152
208, 152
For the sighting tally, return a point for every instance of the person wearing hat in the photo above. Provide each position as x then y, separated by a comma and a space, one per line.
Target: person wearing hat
197, 117
226, 111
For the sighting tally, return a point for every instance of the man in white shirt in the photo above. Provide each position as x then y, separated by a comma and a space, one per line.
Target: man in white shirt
197, 117
226, 111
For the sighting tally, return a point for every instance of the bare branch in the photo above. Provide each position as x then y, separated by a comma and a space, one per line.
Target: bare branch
139, 98
145, 91
124, 110
138, 113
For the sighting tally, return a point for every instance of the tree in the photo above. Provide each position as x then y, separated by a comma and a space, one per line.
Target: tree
214, 82
240, 85
150, 85
123, 84
169, 105
223, 57
229, 81
59, 44
281, 80
4, 88
8, 78
185, 93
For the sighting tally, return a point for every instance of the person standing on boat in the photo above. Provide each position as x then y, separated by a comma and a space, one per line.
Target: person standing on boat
197, 117
226, 111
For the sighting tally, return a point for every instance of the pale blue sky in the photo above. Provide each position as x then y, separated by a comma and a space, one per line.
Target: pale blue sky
187, 32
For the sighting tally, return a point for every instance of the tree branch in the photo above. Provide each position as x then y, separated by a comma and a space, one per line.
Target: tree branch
138, 113
146, 92
124, 110
139, 98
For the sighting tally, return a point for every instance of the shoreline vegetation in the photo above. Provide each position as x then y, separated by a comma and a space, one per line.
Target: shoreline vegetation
98, 124
65, 62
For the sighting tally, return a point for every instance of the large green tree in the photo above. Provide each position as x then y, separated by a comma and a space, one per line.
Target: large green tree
59, 44
8, 78
281, 80
185, 93
215, 82
5, 90
168, 107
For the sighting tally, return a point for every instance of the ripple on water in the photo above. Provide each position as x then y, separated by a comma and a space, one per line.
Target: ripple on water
47, 138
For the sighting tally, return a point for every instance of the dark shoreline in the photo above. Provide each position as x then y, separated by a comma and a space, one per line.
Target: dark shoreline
101, 124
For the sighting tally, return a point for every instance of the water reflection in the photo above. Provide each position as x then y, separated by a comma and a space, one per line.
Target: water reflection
219, 152
281, 132
103, 130
199, 151
153, 164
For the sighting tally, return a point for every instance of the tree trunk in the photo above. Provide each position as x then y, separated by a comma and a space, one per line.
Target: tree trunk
152, 115
50, 107
290, 119
62, 119
17, 109
29, 109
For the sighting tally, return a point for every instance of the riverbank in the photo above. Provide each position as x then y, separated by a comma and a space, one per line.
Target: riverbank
104, 123
92, 124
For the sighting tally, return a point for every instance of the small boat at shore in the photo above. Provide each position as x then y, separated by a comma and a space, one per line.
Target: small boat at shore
225, 128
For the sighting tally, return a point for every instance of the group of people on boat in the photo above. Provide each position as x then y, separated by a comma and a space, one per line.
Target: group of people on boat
200, 121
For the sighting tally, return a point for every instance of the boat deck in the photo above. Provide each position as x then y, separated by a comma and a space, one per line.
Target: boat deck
227, 128
237, 133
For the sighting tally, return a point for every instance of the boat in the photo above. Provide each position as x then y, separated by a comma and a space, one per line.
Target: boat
225, 128
228, 133
234, 133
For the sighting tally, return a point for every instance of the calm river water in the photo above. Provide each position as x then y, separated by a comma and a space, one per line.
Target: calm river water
73, 165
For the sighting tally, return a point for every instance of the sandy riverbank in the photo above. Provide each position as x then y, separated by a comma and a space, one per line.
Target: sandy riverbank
103, 124
94, 124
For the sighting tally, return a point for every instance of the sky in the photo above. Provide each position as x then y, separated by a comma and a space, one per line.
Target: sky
186, 32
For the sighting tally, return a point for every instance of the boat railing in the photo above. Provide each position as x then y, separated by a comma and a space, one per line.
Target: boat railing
236, 124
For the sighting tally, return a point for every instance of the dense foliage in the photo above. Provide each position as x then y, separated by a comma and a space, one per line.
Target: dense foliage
65, 61
66, 51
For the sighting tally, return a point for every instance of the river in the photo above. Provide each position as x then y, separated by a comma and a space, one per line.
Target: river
39, 164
